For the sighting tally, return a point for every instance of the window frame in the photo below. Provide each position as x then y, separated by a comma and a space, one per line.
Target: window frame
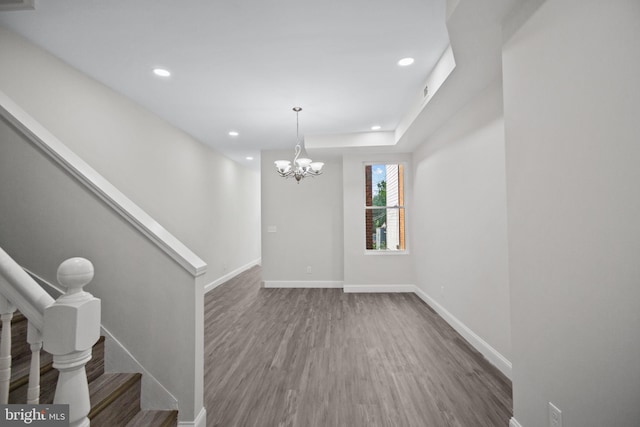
400, 208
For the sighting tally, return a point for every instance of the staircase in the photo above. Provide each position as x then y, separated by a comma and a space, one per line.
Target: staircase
115, 398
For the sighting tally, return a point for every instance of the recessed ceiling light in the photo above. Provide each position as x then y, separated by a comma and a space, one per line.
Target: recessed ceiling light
233, 133
405, 62
249, 158
161, 72
376, 127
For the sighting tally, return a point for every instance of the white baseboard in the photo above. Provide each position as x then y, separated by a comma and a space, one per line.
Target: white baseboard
200, 421
514, 423
302, 284
490, 353
211, 286
378, 288
118, 359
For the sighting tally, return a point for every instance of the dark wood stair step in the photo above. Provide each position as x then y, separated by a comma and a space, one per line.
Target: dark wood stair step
115, 399
95, 367
48, 383
154, 419
20, 368
49, 375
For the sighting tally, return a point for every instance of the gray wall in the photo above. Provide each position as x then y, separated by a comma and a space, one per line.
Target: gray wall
572, 109
320, 223
308, 220
460, 226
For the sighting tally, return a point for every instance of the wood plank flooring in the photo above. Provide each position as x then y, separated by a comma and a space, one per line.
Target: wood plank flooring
323, 358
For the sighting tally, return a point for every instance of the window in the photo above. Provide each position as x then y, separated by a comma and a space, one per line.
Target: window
384, 207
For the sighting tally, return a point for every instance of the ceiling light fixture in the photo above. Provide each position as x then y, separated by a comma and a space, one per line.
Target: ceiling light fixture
404, 62
161, 72
376, 127
249, 158
233, 133
303, 166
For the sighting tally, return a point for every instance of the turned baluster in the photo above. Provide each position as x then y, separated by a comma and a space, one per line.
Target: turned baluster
6, 314
34, 338
71, 328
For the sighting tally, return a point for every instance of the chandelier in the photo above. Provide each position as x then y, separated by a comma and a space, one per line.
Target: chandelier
302, 166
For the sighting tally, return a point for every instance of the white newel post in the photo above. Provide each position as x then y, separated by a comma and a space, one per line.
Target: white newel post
6, 314
71, 328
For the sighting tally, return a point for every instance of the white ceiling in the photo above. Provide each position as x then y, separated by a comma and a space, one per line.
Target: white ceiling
242, 65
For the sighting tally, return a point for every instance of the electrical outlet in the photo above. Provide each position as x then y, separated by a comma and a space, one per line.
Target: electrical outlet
308, 269
555, 416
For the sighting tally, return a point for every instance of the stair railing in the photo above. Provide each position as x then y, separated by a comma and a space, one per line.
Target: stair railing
67, 328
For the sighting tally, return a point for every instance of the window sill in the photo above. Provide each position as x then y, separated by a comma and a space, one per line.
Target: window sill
385, 252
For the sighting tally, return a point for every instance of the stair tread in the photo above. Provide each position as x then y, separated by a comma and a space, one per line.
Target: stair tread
154, 419
103, 388
20, 368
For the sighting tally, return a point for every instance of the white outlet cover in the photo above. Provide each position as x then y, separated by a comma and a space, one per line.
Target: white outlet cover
272, 229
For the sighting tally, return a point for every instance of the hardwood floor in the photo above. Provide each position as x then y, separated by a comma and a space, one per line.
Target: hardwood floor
320, 357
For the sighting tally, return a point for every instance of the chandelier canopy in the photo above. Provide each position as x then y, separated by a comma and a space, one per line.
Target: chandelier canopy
302, 166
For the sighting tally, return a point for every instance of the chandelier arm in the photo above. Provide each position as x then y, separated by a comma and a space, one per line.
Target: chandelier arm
285, 174
298, 150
